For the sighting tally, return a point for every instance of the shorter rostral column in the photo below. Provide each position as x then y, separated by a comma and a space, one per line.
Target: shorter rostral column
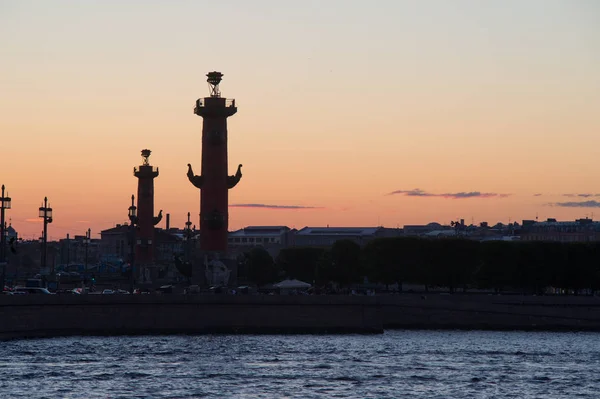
144, 249
214, 181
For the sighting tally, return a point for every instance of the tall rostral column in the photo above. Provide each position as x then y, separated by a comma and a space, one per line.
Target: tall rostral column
214, 180
144, 253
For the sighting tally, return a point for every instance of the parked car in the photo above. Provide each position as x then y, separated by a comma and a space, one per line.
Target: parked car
33, 290
165, 289
217, 289
73, 291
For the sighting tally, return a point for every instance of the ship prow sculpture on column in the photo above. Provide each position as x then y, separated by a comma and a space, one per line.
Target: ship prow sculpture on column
214, 183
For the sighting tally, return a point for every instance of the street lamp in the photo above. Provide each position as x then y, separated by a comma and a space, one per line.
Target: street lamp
4, 204
188, 237
46, 214
133, 218
86, 241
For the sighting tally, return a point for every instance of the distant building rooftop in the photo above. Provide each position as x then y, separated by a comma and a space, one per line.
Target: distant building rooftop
439, 233
119, 228
255, 231
364, 231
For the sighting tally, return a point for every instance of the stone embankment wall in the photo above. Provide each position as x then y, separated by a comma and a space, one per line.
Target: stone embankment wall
56, 315
491, 312
42, 315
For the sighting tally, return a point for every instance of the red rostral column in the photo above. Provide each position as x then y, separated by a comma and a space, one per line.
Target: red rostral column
144, 253
214, 182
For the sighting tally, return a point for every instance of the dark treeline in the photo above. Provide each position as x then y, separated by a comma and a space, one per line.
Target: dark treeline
455, 264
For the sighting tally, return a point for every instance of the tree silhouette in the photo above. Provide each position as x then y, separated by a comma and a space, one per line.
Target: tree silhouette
300, 262
259, 266
497, 265
345, 266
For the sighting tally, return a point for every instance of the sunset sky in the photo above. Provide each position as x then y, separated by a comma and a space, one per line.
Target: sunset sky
350, 113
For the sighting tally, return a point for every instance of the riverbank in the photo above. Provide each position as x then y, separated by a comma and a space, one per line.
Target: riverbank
56, 315
491, 312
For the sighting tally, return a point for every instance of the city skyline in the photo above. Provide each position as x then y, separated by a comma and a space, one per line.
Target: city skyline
348, 114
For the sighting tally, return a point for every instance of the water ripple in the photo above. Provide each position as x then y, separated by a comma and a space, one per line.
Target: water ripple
416, 364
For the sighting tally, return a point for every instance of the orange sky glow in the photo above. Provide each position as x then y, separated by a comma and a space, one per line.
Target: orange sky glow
475, 110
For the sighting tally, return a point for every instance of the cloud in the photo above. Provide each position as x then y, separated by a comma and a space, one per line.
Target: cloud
473, 194
82, 221
584, 204
584, 195
417, 192
537, 195
34, 220
267, 206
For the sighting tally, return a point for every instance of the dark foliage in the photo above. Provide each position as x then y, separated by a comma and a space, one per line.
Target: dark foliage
302, 263
259, 266
527, 267
345, 265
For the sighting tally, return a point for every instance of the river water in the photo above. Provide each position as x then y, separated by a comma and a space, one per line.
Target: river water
397, 364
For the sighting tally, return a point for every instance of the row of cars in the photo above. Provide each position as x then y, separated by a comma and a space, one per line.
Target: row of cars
25, 291
21, 290
113, 292
116, 292
74, 291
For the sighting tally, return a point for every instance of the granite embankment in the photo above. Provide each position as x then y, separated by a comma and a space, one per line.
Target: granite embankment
42, 315
491, 312
56, 315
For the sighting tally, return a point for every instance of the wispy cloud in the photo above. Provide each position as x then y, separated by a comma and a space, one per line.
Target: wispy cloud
34, 220
268, 206
583, 204
417, 192
583, 195
82, 221
474, 194
537, 195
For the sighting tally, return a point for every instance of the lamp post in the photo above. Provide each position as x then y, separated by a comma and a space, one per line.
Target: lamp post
68, 252
133, 219
41, 241
86, 241
188, 237
4, 204
46, 214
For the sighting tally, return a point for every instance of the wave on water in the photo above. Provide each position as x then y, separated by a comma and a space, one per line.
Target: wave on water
416, 364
